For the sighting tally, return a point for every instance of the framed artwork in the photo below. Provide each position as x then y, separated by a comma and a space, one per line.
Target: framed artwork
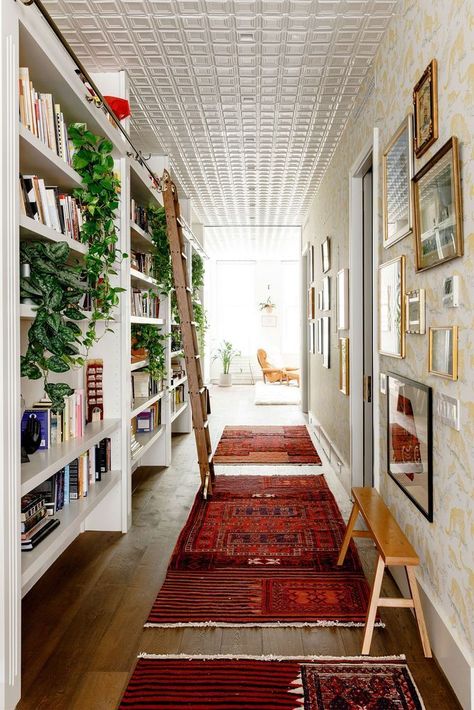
438, 208
415, 311
397, 176
326, 255
443, 352
320, 300
310, 257
311, 339
425, 105
344, 365
326, 299
342, 293
326, 341
311, 303
320, 336
410, 440
392, 308
451, 292
269, 321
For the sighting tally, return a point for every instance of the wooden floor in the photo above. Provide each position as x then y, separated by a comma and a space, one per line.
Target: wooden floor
83, 620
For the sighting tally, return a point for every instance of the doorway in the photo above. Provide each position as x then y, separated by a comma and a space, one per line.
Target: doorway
363, 322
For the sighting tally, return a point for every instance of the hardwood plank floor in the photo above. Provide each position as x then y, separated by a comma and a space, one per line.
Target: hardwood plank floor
83, 621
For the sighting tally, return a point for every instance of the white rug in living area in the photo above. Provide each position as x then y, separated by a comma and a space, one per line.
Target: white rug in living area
276, 394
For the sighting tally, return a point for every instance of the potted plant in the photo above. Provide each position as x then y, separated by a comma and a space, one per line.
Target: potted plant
225, 353
268, 304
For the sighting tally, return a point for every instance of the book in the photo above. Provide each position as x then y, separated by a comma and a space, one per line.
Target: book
40, 523
30, 504
32, 520
74, 480
43, 417
51, 525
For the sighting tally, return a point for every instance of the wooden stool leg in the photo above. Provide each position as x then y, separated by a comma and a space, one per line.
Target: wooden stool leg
420, 618
348, 535
373, 604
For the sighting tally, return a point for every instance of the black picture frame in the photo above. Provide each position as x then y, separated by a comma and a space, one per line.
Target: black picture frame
410, 459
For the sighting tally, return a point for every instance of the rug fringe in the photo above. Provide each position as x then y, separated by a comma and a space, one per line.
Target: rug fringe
267, 657
271, 624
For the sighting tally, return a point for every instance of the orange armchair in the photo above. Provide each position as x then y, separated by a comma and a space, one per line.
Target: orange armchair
276, 374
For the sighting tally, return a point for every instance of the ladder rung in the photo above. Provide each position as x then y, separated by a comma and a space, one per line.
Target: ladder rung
189, 289
206, 423
202, 390
184, 255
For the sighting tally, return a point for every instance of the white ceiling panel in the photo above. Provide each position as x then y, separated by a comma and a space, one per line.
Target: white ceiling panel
248, 97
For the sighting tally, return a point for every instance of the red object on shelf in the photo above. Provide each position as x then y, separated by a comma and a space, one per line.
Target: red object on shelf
120, 107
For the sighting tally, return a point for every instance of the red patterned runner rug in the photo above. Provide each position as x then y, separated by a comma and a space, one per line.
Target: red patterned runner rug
263, 552
286, 684
266, 444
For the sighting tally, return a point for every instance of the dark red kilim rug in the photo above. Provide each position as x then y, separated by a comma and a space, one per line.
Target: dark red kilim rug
266, 444
292, 684
262, 552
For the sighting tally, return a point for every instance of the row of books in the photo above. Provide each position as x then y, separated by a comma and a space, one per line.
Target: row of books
50, 206
144, 385
177, 398
145, 304
70, 483
178, 372
139, 215
56, 428
142, 262
148, 420
43, 117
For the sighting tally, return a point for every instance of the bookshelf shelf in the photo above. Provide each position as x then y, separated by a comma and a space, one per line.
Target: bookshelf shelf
147, 441
31, 229
141, 403
140, 239
179, 382
141, 185
34, 563
179, 411
138, 365
43, 464
140, 278
37, 159
146, 321
177, 353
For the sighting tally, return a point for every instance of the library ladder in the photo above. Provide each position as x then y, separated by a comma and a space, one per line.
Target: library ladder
197, 390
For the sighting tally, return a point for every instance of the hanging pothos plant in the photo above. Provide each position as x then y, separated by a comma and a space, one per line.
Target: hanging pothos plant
199, 312
150, 338
162, 268
56, 343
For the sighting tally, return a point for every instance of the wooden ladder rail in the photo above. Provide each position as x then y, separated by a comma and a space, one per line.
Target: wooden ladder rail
196, 388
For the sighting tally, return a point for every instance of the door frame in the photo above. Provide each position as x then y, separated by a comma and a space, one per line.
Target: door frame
369, 156
305, 358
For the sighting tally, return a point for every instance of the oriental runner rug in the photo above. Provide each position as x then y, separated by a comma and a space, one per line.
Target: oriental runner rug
266, 445
201, 683
263, 552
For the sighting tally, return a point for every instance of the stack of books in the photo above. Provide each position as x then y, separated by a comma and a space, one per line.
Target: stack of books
139, 215
148, 420
145, 304
142, 262
43, 118
50, 206
135, 445
36, 524
56, 428
143, 385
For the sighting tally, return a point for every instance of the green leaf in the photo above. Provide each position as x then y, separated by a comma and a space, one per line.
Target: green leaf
57, 364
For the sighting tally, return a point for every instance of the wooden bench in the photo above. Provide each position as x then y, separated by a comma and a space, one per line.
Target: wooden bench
394, 549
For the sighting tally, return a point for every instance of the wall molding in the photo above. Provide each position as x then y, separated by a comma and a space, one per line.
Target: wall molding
337, 462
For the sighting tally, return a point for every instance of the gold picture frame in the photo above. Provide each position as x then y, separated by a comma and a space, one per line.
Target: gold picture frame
311, 303
425, 105
397, 175
437, 202
392, 307
443, 352
344, 365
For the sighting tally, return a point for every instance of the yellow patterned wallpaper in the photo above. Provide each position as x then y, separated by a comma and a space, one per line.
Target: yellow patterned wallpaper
419, 31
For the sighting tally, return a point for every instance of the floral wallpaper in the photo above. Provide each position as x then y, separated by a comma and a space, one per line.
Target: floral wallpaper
419, 31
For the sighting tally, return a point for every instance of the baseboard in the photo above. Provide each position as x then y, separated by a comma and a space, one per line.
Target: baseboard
339, 466
453, 659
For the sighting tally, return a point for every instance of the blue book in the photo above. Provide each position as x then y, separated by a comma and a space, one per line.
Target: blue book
44, 418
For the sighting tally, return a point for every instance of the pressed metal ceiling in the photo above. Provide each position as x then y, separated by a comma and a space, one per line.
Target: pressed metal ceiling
247, 97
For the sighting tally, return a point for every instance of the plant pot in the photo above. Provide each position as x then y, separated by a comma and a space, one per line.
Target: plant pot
268, 309
225, 380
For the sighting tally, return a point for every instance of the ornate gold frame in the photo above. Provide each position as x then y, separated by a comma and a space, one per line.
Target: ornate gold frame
429, 75
344, 378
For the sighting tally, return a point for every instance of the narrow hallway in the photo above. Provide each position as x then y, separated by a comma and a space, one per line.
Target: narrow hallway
109, 582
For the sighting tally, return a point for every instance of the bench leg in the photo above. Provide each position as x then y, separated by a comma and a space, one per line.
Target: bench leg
348, 535
373, 604
420, 618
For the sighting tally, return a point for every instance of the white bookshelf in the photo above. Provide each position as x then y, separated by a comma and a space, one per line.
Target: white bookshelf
145, 320
139, 404
31, 229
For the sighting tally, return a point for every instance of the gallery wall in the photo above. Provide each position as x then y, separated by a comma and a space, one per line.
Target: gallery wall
419, 31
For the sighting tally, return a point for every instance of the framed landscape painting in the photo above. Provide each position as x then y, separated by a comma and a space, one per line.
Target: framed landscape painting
392, 308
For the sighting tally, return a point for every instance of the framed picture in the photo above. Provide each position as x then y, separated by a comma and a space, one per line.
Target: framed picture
410, 440
269, 321
344, 365
438, 208
392, 308
326, 255
320, 300
311, 338
326, 305
326, 349
425, 105
311, 303
397, 176
342, 305
310, 257
320, 336
443, 352
415, 311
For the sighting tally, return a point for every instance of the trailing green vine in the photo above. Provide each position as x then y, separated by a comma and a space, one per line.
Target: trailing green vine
200, 314
162, 267
152, 340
